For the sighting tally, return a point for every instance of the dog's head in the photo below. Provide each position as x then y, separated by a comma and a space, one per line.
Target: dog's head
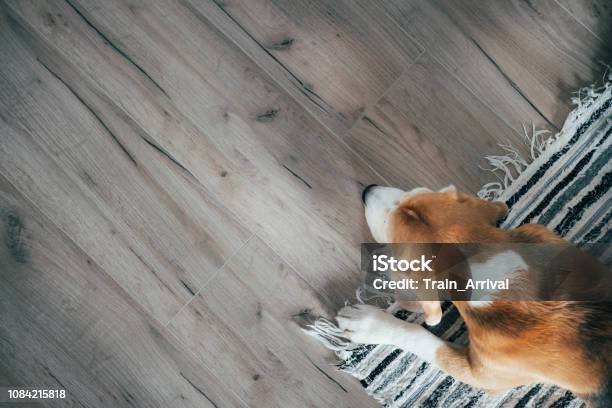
425, 216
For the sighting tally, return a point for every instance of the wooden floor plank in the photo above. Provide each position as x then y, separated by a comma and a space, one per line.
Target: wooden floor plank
344, 54
593, 14
596, 16
537, 45
270, 361
65, 323
523, 62
463, 59
126, 204
429, 119
281, 172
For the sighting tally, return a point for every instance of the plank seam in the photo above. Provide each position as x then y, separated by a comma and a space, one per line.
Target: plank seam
209, 280
578, 20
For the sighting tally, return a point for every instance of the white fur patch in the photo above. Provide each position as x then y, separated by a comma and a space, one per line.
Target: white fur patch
498, 267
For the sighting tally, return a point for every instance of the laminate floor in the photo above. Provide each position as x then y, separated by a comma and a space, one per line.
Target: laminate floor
179, 179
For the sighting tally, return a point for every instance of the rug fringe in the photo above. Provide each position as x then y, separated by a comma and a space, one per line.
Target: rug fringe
508, 167
328, 333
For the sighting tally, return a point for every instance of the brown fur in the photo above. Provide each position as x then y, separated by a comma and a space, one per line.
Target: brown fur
511, 342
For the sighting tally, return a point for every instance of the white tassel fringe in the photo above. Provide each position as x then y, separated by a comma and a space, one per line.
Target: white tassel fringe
507, 168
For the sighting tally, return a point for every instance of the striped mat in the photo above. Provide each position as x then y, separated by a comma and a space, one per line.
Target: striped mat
565, 185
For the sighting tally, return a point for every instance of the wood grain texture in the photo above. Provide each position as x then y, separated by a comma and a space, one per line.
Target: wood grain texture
278, 170
294, 86
343, 53
270, 362
542, 49
429, 119
65, 323
466, 61
102, 182
595, 15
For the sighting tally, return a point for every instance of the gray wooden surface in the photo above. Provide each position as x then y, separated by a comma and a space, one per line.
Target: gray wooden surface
180, 179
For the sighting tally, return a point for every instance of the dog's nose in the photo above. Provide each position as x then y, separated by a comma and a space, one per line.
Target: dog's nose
366, 191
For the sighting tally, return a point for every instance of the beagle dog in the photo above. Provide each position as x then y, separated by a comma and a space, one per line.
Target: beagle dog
511, 343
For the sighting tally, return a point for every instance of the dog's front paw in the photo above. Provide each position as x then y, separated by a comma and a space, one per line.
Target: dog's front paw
369, 324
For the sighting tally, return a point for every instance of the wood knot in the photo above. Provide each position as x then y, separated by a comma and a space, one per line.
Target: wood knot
258, 310
283, 45
50, 20
267, 116
14, 238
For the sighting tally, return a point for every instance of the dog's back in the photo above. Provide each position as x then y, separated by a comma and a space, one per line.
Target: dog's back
595, 333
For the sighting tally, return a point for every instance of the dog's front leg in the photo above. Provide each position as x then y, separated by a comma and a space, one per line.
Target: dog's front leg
371, 325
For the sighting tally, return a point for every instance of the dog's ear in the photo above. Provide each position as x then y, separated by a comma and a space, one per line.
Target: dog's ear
411, 215
449, 189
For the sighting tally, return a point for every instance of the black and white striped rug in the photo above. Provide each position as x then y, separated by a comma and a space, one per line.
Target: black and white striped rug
564, 185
